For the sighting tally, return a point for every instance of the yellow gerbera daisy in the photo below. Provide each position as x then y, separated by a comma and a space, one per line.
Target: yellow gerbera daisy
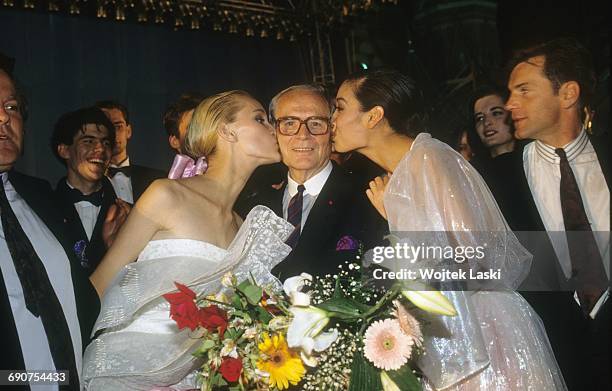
283, 365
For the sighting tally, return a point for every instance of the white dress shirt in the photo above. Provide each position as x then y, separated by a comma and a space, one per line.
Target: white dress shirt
313, 187
31, 332
541, 165
88, 213
122, 183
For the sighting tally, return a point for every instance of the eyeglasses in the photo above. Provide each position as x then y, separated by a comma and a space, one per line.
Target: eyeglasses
290, 126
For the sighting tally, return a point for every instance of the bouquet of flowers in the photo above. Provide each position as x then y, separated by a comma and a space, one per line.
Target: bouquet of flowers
335, 332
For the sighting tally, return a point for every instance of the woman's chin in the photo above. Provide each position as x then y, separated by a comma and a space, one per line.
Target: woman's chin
273, 158
338, 147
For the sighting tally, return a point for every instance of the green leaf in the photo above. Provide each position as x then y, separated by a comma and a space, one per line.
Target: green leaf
253, 293
405, 379
237, 302
363, 375
344, 308
206, 345
263, 315
218, 380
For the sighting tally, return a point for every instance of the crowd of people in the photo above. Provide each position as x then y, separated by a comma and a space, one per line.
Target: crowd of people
85, 265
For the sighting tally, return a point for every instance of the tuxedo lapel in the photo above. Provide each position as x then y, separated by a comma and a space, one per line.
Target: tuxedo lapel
324, 211
39, 196
71, 216
96, 248
11, 357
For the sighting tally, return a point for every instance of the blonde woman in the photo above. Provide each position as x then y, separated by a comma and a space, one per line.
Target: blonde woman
184, 230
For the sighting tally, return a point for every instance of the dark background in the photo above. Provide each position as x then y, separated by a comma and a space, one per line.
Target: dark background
449, 47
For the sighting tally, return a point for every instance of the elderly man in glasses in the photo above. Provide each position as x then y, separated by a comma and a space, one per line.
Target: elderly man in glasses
319, 198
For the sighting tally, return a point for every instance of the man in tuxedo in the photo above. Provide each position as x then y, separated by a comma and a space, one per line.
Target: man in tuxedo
566, 173
129, 180
177, 118
318, 197
47, 304
82, 140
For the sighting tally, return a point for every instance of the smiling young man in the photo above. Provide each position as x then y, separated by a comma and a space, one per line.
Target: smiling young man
318, 197
83, 140
566, 170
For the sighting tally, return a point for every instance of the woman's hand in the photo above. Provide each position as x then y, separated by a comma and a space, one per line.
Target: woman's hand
376, 193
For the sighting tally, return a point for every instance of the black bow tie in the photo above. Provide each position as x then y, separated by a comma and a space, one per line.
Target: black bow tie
94, 198
126, 170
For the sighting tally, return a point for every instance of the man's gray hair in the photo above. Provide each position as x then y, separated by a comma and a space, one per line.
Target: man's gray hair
316, 89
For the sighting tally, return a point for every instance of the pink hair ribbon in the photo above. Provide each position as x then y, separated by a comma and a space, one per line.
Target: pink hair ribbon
185, 167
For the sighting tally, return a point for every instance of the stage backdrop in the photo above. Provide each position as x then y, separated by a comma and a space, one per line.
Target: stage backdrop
64, 63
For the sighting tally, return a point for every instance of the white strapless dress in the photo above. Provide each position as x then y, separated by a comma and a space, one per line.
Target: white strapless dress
140, 347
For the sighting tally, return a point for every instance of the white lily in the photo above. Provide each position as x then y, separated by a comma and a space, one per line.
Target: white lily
305, 330
429, 300
293, 288
387, 383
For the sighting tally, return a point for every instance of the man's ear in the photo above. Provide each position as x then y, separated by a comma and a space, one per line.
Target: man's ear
129, 131
374, 116
174, 142
227, 133
569, 92
63, 152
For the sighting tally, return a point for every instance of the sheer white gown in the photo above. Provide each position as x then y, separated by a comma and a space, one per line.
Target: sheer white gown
496, 342
140, 347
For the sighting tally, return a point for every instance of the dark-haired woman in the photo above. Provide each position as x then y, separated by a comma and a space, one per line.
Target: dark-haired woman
496, 342
499, 156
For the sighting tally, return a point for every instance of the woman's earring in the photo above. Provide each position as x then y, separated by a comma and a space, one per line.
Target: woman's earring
588, 119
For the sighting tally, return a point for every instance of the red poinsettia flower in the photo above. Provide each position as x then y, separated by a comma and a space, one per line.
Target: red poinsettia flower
183, 309
213, 319
230, 369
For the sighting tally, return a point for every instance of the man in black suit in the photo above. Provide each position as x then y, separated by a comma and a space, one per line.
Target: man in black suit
129, 180
328, 209
177, 117
83, 140
47, 304
565, 170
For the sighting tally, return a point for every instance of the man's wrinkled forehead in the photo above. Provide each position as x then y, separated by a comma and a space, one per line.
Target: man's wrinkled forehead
295, 102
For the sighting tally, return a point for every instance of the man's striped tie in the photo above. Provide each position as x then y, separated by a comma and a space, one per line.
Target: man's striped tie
294, 215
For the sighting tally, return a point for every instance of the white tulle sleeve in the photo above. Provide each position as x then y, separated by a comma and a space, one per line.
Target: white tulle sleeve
435, 196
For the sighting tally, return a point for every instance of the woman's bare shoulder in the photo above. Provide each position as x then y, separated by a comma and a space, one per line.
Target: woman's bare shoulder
162, 194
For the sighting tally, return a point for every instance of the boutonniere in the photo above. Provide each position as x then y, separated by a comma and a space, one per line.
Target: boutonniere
79, 250
347, 242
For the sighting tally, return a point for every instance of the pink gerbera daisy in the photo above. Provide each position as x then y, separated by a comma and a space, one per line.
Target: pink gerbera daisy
386, 346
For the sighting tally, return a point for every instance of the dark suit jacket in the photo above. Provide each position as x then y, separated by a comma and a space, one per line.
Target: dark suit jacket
142, 177
341, 209
95, 248
40, 197
581, 344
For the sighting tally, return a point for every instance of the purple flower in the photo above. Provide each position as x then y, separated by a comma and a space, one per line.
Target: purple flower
79, 251
347, 242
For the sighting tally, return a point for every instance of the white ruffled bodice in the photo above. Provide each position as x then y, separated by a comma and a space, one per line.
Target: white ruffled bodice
140, 347
181, 248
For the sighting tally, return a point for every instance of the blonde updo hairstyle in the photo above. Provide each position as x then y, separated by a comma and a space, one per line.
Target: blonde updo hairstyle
211, 113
